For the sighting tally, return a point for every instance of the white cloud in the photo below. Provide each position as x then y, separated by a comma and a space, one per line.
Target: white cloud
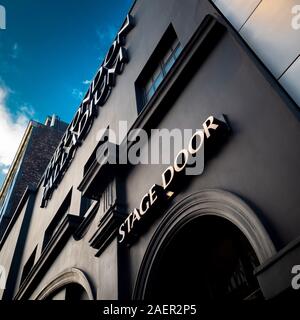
86, 82
107, 34
27, 109
12, 129
5, 170
77, 94
15, 51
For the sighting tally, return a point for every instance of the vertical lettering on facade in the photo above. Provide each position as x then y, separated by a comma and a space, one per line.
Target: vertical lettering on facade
98, 93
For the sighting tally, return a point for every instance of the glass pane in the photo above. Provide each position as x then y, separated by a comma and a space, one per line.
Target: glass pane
167, 56
156, 73
169, 64
158, 80
148, 85
177, 51
149, 94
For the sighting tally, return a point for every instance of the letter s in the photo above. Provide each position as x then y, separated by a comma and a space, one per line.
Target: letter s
128, 25
296, 278
296, 19
121, 233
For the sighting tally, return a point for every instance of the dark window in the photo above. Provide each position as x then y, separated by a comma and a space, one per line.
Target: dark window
59, 216
158, 66
162, 70
75, 292
71, 292
85, 205
93, 156
28, 265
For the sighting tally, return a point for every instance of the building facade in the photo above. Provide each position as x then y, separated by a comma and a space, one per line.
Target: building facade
99, 226
35, 151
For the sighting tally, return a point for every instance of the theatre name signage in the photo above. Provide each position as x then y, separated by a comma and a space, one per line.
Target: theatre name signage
212, 133
98, 93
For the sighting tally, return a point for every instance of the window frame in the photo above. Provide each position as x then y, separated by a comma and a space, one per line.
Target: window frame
151, 85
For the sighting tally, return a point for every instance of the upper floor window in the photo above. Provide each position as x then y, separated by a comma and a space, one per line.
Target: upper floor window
157, 67
164, 66
61, 213
29, 265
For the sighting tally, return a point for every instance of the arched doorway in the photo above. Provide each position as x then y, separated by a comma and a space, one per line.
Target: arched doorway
206, 248
69, 292
208, 259
72, 285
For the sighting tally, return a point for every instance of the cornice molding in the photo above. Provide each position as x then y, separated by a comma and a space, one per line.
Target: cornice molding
107, 228
88, 217
100, 170
28, 194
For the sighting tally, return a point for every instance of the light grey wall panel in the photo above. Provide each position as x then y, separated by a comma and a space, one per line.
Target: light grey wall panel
270, 34
237, 11
291, 81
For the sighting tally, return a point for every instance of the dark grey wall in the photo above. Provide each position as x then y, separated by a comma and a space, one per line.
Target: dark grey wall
259, 161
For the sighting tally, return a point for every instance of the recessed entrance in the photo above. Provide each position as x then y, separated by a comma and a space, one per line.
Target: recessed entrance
71, 292
72, 284
209, 258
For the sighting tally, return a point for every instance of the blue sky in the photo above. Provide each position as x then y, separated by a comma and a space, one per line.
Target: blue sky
49, 52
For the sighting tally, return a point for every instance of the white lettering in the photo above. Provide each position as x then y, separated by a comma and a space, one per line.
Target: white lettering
296, 19
296, 278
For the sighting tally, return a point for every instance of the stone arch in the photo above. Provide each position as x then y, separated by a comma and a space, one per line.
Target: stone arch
69, 276
209, 202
